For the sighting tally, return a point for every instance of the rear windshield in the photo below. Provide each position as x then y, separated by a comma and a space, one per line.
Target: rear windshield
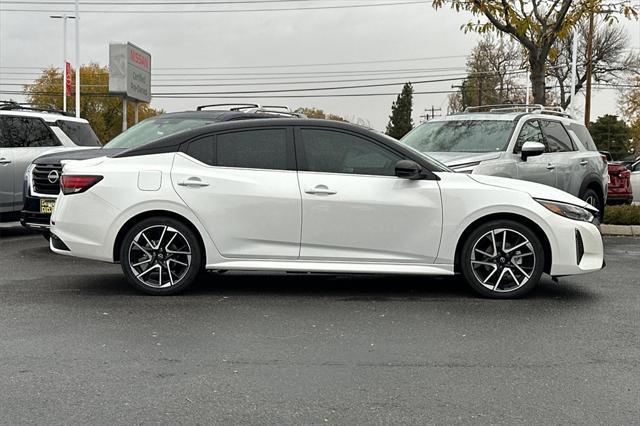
155, 128
461, 136
80, 133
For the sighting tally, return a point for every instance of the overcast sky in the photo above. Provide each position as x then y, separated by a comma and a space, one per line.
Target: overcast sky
267, 39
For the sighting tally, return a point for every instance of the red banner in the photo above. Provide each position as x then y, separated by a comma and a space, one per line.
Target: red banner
68, 82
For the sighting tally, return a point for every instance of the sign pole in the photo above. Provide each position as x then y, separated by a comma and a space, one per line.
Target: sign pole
64, 63
124, 113
135, 113
77, 59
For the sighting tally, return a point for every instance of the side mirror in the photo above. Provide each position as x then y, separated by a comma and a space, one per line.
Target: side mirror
407, 169
531, 149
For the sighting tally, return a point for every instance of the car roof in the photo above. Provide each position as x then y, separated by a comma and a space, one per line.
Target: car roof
49, 117
504, 116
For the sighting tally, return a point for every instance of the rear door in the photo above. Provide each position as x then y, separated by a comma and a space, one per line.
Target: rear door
354, 208
242, 185
541, 168
571, 167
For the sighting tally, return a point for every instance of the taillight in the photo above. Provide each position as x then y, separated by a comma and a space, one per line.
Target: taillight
71, 184
625, 174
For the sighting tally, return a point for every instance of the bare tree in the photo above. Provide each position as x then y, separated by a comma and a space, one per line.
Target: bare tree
612, 61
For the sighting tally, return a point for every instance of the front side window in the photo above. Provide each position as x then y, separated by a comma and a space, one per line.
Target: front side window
153, 129
253, 149
338, 152
558, 139
26, 132
80, 133
530, 132
461, 136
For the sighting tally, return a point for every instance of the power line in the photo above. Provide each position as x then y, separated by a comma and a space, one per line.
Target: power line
275, 9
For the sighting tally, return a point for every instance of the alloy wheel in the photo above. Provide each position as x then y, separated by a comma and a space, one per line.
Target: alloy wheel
159, 256
503, 260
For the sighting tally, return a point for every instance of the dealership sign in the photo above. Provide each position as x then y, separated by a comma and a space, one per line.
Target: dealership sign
129, 72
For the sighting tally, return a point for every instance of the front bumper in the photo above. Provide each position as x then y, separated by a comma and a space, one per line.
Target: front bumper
31, 217
579, 250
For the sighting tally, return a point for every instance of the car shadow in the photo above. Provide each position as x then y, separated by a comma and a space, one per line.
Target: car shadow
378, 288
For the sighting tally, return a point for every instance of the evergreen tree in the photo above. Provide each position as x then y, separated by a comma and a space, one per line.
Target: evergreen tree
400, 122
613, 135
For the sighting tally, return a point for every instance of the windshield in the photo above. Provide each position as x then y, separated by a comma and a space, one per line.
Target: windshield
152, 129
460, 136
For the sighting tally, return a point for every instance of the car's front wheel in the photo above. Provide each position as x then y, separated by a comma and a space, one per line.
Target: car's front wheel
160, 256
502, 259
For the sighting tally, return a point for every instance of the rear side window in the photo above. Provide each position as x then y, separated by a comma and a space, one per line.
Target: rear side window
25, 132
337, 152
558, 139
80, 133
583, 134
250, 149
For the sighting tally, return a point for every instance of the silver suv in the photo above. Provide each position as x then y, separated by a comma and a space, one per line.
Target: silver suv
26, 133
529, 142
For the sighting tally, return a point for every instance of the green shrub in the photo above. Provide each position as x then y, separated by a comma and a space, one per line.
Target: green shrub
622, 215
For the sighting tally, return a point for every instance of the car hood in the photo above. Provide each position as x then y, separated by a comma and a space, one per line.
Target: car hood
453, 159
75, 154
535, 190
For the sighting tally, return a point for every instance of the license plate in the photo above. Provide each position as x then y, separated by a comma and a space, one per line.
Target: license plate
46, 206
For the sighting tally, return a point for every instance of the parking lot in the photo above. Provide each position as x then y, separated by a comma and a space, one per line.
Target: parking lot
80, 346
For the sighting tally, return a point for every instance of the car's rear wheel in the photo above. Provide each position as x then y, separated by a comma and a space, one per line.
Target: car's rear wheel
161, 256
502, 259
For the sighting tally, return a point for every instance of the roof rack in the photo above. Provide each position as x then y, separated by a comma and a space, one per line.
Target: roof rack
256, 108
25, 106
502, 108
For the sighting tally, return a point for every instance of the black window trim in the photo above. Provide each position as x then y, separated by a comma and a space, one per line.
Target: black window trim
48, 127
300, 160
291, 162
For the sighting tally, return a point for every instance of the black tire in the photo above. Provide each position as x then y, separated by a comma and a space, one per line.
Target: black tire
163, 258
512, 284
593, 198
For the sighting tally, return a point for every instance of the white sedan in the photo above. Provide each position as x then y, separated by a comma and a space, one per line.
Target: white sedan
635, 181
318, 196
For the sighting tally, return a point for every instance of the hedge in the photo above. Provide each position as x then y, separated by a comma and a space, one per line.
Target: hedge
622, 215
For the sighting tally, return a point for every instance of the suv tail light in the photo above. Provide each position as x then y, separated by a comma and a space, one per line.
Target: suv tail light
625, 174
74, 184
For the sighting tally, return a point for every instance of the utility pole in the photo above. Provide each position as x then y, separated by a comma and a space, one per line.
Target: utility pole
77, 17
587, 100
64, 56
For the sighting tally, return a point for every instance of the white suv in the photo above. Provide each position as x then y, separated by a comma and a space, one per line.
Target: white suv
26, 133
528, 142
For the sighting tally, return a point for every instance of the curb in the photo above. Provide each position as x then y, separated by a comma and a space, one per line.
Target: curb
626, 230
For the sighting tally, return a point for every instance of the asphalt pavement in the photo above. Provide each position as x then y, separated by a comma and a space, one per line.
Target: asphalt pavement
78, 346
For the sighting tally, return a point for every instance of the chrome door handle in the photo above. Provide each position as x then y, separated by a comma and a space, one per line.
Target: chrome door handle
4, 161
320, 190
550, 167
584, 162
195, 182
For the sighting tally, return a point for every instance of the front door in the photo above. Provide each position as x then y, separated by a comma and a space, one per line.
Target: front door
354, 208
541, 168
243, 187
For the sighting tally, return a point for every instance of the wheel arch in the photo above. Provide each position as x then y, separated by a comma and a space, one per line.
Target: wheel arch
506, 216
155, 213
593, 182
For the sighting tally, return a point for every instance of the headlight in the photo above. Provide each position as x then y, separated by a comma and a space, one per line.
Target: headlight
27, 173
567, 210
465, 168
